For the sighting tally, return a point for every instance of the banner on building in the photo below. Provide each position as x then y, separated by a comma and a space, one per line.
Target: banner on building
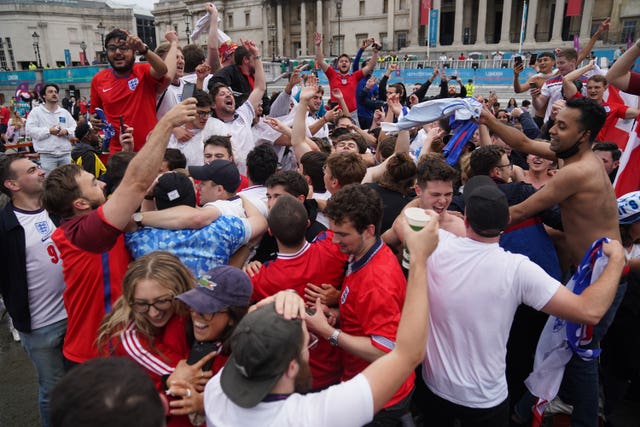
425, 7
67, 57
433, 27
574, 7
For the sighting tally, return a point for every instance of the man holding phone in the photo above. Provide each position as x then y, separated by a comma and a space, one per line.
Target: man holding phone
544, 64
128, 89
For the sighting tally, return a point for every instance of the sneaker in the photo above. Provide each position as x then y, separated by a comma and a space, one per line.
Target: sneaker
15, 334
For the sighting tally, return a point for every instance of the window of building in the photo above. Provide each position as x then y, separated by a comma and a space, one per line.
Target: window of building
383, 40
3, 58
73, 35
628, 31
360, 38
247, 19
361, 7
230, 20
401, 39
10, 52
385, 6
402, 4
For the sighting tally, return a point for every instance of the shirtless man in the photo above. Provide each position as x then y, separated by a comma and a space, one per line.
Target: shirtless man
588, 205
581, 187
434, 188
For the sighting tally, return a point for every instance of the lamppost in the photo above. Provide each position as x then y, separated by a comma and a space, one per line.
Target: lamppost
83, 46
36, 48
273, 31
339, 13
187, 19
101, 29
331, 48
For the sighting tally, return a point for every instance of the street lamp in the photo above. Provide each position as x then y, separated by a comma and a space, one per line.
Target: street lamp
273, 31
331, 48
187, 19
101, 29
36, 48
83, 46
339, 13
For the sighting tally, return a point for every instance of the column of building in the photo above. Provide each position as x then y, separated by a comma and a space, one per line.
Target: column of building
391, 8
556, 35
303, 28
457, 26
414, 20
506, 22
280, 29
530, 34
482, 22
585, 22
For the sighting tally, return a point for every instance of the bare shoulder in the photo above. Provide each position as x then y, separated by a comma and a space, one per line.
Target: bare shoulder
453, 224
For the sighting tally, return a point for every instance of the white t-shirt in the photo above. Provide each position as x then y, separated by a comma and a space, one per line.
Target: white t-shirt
242, 140
193, 78
474, 291
192, 149
168, 99
231, 207
44, 268
321, 217
344, 405
257, 194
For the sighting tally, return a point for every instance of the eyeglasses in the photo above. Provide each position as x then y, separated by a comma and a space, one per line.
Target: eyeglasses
160, 305
204, 113
122, 48
208, 316
508, 165
313, 341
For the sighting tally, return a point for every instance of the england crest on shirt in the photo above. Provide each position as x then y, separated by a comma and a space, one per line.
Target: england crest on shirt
43, 228
133, 83
345, 293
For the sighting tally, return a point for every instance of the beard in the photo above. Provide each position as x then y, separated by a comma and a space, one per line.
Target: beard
125, 68
303, 378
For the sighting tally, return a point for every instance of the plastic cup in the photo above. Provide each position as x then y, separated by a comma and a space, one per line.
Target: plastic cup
417, 219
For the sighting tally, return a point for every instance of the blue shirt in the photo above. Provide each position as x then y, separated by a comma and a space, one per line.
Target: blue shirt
199, 249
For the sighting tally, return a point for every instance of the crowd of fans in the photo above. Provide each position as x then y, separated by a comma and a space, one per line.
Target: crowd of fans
242, 250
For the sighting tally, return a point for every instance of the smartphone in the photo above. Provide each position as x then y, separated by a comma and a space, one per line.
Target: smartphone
121, 124
533, 59
517, 60
188, 90
532, 85
376, 46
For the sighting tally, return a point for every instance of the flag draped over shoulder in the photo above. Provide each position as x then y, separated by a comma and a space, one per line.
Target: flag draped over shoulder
628, 177
561, 339
430, 111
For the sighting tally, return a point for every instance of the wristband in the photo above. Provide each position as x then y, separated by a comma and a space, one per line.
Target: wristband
145, 51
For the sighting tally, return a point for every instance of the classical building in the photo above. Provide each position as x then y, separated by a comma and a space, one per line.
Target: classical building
285, 28
62, 32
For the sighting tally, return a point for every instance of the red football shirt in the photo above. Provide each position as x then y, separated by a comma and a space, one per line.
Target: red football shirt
318, 262
133, 97
347, 83
371, 304
94, 260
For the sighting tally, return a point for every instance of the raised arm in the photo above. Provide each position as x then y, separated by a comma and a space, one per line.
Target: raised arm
516, 139
517, 87
586, 49
371, 64
213, 58
158, 67
422, 90
386, 374
569, 88
260, 81
299, 133
145, 165
317, 42
171, 59
619, 74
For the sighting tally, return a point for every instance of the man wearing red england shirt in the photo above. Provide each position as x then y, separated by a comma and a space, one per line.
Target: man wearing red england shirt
128, 89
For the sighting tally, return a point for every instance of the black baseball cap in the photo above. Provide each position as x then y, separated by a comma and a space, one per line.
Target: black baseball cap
486, 207
222, 172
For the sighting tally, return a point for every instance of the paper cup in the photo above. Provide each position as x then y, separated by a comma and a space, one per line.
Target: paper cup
417, 219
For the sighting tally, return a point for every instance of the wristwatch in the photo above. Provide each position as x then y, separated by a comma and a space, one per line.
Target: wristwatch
333, 339
137, 218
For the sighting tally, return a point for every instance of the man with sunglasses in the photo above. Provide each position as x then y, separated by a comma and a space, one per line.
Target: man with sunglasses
128, 89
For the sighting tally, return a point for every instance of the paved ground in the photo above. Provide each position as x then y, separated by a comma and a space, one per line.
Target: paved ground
18, 384
19, 390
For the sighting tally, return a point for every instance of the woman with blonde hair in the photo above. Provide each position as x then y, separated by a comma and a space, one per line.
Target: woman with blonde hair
147, 323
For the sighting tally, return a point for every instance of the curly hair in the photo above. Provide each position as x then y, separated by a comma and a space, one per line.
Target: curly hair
357, 203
